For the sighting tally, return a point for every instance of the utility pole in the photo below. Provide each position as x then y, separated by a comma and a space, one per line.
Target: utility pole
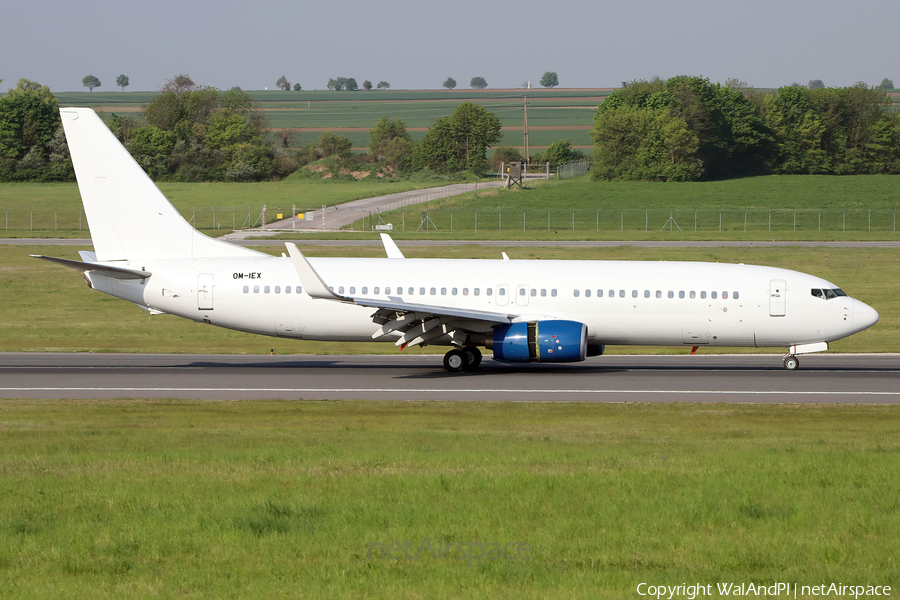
526, 130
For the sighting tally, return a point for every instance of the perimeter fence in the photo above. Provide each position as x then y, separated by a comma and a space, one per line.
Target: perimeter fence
421, 218
40, 218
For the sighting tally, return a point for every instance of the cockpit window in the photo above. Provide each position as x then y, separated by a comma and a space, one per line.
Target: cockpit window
827, 294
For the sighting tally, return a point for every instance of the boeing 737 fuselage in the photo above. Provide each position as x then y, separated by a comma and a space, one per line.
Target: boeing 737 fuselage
535, 310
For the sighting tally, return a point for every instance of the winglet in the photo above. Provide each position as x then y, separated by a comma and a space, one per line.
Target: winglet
309, 279
505, 257
390, 247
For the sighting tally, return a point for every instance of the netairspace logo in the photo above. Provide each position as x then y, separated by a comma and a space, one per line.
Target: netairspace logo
468, 552
786, 590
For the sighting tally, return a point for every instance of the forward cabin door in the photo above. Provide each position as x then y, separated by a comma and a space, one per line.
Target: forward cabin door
205, 291
777, 297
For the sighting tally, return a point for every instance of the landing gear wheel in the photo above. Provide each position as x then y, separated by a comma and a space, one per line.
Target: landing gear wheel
455, 360
473, 358
791, 363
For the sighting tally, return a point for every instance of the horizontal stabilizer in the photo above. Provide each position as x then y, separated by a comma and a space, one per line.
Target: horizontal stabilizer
111, 272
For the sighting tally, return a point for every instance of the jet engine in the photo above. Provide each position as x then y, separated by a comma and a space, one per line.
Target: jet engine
540, 341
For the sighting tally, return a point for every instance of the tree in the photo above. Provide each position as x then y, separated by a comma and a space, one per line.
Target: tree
816, 84
383, 85
122, 81
549, 79
351, 84
460, 142
390, 142
26, 87
886, 84
297, 87
367, 85
32, 146
90, 82
283, 83
179, 84
331, 144
478, 83
450, 83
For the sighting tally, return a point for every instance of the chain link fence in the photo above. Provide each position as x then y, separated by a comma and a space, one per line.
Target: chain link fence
39, 218
631, 220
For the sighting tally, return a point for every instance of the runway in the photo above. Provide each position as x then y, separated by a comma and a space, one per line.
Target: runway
829, 378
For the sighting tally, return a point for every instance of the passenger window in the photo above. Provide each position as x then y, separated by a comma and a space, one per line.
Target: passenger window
287, 289
299, 289
543, 293
553, 293
533, 292
724, 295
376, 290
465, 291
646, 293
735, 295
659, 293
387, 291
693, 294
266, 289
612, 293
277, 289
681, 294
453, 291
352, 289
577, 293
703, 295
621, 293
521, 291
421, 291
340, 290
501, 291
433, 291
246, 289
411, 291
634, 293
255, 289
671, 294
587, 293
599, 293
365, 290
477, 291
443, 291
712, 295
489, 291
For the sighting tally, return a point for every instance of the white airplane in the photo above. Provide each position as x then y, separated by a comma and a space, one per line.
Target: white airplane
534, 310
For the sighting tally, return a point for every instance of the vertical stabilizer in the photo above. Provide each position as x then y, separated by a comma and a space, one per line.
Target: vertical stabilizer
129, 217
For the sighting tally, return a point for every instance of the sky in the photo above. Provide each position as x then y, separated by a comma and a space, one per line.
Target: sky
417, 44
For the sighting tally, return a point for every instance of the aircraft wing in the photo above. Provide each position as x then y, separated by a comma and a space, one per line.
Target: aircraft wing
415, 323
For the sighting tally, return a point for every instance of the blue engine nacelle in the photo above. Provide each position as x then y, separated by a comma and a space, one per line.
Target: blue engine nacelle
540, 341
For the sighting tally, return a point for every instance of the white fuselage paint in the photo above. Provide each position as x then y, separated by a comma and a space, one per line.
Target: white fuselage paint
212, 290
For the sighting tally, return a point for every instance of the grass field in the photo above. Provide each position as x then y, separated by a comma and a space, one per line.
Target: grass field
825, 207
141, 499
49, 308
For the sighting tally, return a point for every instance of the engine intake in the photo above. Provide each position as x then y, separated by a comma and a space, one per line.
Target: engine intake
540, 341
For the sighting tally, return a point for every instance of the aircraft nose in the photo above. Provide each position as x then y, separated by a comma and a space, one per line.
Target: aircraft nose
864, 316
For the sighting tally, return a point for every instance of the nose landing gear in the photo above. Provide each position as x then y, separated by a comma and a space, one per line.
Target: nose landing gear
462, 359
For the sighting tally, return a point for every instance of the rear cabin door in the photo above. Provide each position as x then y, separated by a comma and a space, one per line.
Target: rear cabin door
777, 297
205, 291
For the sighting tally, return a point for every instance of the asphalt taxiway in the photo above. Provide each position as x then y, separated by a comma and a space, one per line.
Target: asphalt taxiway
824, 378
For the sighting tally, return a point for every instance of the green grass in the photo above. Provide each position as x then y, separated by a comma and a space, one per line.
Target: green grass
626, 210
140, 499
48, 308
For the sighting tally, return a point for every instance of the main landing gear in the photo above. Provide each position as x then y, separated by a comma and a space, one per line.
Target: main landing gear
791, 362
462, 359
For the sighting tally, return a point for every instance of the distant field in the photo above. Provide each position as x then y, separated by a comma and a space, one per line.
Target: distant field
551, 113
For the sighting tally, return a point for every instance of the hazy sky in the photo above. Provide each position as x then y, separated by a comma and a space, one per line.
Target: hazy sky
416, 44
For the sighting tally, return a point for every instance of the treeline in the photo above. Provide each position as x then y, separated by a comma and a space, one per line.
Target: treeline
686, 129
